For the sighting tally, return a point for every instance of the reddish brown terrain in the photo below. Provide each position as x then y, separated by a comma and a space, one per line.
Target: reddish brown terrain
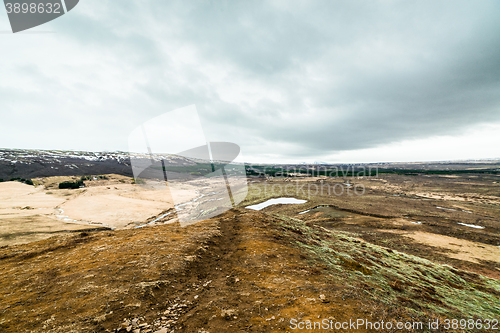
396, 253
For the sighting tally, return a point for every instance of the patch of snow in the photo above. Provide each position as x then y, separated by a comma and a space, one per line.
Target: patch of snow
471, 225
454, 210
283, 201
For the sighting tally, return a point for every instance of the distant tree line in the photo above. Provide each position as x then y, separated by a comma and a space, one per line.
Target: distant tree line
78, 183
71, 185
19, 179
64, 185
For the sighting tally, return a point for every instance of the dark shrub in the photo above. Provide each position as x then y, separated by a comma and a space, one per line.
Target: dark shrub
71, 185
22, 180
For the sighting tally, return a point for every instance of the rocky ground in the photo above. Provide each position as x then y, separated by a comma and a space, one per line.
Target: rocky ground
243, 271
397, 253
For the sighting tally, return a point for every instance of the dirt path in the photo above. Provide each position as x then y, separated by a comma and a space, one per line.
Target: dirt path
243, 271
249, 279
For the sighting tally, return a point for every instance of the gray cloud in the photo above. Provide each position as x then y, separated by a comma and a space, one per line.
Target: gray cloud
292, 79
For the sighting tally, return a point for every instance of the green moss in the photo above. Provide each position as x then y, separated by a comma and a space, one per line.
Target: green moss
393, 277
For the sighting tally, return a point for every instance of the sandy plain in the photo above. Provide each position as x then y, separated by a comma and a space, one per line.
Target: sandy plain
31, 213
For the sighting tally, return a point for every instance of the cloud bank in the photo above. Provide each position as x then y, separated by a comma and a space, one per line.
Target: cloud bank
286, 80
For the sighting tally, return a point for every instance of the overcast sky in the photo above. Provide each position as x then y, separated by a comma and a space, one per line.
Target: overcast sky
288, 81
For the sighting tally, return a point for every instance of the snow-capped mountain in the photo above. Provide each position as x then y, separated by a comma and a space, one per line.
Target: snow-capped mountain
27, 163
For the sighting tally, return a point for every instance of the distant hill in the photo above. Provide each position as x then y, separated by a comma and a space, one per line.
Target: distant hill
46, 163
24, 163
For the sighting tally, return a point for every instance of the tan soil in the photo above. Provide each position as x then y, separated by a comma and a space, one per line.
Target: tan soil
114, 206
29, 213
237, 262
460, 249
